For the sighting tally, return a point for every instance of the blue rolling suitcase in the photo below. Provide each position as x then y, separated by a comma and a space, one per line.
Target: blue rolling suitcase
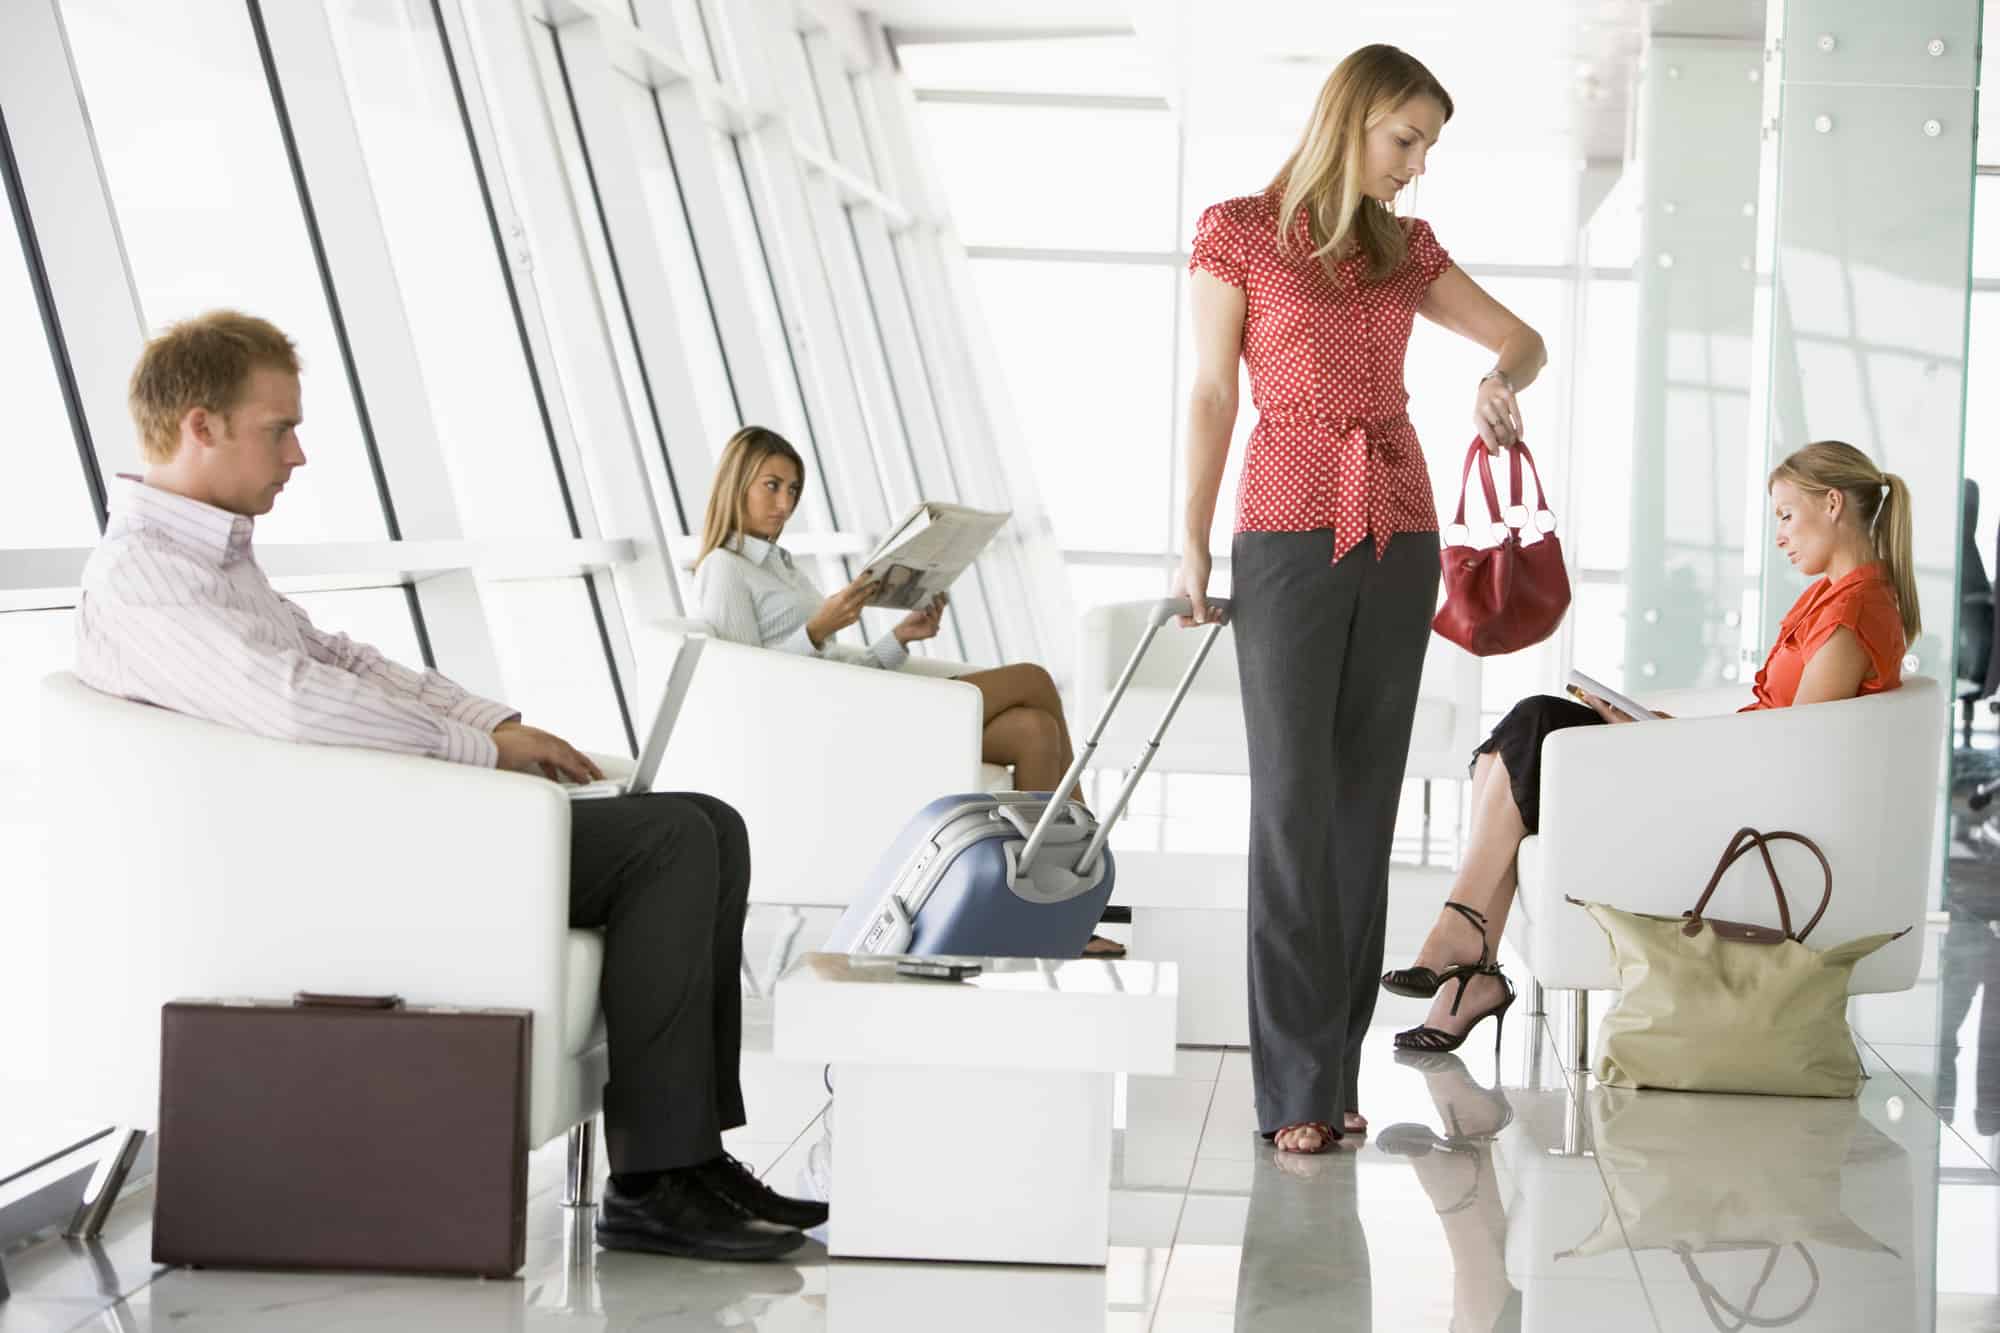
1009, 874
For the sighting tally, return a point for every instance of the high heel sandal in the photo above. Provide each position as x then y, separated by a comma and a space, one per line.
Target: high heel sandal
1437, 1039
1328, 1136
1420, 983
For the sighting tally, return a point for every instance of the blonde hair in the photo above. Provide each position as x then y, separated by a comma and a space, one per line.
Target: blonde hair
201, 362
728, 499
1322, 177
1881, 502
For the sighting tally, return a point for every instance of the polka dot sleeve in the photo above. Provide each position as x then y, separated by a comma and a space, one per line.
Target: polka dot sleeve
1426, 257
1218, 246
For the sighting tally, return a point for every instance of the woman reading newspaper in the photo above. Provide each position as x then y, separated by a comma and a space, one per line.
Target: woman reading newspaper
752, 591
1839, 517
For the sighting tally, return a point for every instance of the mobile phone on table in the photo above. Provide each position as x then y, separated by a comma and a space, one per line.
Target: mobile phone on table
936, 969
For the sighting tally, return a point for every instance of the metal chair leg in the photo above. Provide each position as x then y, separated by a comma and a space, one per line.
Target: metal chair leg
1424, 855
580, 1184
1576, 1129
1538, 1000
105, 1182
1579, 1031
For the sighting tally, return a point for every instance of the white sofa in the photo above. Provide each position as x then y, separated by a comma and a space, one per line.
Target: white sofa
1637, 815
188, 859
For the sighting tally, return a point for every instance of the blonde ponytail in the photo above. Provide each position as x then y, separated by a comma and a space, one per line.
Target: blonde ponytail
1880, 501
1894, 542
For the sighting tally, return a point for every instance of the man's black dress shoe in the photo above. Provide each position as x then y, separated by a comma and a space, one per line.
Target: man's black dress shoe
684, 1215
738, 1184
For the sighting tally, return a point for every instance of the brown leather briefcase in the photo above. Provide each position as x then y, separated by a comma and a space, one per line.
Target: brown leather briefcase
346, 1132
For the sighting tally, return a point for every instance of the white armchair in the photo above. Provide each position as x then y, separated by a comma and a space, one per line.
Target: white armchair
825, 761
191, 859
1636, 816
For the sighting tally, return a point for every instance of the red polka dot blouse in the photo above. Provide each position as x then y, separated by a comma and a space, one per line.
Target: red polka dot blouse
1333, 446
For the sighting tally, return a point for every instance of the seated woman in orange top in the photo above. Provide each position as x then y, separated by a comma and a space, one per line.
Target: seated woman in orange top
1839, 517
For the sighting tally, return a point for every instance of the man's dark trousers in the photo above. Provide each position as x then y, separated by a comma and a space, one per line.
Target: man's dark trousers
666, 875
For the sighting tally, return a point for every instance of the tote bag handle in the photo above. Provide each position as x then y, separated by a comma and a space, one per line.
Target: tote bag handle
1716, 1306
1745, 839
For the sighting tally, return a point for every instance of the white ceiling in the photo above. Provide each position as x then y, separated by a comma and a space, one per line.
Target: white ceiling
1530, 74
1007, 14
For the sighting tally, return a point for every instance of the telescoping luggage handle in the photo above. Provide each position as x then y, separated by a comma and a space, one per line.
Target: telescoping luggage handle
1167, 608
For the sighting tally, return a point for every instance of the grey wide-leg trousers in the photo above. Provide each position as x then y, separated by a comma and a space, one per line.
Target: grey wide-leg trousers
1330, 657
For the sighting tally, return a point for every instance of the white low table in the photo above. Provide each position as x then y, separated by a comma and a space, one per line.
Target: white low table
972, 1119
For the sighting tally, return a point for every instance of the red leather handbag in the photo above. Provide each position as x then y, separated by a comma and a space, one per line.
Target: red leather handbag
1504, 597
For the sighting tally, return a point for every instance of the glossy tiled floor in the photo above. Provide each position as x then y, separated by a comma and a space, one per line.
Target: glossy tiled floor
1470, 1208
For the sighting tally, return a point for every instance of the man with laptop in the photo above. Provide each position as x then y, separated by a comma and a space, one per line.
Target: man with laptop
176, 612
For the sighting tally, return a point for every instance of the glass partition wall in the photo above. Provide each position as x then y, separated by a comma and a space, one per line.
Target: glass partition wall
1864, 317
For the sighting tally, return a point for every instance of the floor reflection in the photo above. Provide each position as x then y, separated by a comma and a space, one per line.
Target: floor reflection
1458, 1173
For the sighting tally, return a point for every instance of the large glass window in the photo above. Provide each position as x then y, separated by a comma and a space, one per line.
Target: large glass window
552, 659
1107, 65
484, 400
1093, 179
1091, 389
46, 501
378, 617
1597, 529
210, 216
693, 301
770, 317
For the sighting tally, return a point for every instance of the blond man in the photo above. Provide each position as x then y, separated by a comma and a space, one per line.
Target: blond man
176, 612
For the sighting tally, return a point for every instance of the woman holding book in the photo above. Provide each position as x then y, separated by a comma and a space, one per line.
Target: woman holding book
751, 591
1314, 284
1839, 517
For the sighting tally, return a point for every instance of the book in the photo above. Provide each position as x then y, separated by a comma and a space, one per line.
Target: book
925, 553
1632, 708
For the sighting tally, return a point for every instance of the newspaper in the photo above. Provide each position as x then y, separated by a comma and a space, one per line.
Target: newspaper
925, 553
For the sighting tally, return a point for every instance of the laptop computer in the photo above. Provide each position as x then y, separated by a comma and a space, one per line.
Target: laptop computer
679, 677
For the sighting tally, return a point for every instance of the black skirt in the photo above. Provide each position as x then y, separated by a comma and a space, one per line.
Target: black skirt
1518, 741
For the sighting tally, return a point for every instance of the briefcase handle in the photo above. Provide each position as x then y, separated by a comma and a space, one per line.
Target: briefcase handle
307, 999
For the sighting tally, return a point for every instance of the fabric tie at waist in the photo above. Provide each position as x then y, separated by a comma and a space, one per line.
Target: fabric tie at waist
1343, 457
1346, 431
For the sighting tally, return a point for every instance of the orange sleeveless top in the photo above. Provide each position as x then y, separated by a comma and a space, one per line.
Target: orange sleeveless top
1864, 603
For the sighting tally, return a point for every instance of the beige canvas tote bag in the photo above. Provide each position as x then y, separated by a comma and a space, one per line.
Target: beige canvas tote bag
1725, 1006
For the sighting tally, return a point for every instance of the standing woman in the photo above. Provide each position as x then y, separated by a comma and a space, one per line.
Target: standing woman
1314, 284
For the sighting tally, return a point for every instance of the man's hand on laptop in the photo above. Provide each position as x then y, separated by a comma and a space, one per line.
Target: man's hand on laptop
527, 749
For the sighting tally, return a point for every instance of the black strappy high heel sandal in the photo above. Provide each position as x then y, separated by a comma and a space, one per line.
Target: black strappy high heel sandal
1420, 983
1437, 1039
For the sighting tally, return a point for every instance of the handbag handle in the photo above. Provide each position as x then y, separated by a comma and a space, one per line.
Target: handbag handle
1745, 839
1476, 455
1713, 1303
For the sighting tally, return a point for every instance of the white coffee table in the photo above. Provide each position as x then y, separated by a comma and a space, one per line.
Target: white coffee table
972, 1119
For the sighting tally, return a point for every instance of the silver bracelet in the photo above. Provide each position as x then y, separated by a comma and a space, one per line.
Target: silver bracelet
1498, 374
